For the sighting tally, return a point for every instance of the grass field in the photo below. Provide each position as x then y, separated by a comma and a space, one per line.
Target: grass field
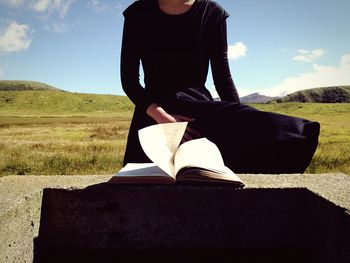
90, 137
333, 152
62, 145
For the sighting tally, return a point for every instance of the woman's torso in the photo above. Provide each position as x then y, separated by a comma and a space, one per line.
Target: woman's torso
174, 49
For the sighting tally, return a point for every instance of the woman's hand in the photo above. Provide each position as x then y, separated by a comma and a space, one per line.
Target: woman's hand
161, 116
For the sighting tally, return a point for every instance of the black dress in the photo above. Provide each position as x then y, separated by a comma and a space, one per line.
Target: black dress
175, 52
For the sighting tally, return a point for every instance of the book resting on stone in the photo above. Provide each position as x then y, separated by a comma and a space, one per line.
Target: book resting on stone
197, 160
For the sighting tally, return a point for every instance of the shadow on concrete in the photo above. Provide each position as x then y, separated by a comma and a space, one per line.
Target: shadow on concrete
181, 223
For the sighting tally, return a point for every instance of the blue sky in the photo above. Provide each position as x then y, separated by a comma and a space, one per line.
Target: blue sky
275, 47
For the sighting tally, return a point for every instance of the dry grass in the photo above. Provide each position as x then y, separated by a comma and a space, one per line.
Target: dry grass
63, 147
95, 144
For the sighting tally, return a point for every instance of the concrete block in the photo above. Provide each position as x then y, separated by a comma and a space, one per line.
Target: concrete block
20, 206
191, 221
279, 218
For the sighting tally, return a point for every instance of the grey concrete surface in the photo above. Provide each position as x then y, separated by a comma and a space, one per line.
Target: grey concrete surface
21, 199
333, 187
20, 206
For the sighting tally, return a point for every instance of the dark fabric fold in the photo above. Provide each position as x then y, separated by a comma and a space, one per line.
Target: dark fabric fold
250, 140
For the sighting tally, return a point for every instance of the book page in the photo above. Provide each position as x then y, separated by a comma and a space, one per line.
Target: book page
208, 175
199, 153
160, 142
202, 153
141, 169
142, 173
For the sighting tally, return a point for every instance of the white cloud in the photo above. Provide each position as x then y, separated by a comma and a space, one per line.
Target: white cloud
345, 60
97, 5
237, 51
41, 5
309, 56
320, 76
52, 12
101, 6
318, 52
46, 7
12, 2
303, 51
1, 73
14, 37
61, 27
61, 6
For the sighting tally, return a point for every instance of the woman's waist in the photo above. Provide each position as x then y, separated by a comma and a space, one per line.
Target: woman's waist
197, 91
183, 101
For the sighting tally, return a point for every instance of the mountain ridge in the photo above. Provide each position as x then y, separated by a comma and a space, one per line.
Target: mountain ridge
332, 94
26, 85
256, 98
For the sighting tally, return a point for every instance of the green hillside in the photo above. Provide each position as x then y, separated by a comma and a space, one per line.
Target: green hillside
21, 85
319, 95
51, 102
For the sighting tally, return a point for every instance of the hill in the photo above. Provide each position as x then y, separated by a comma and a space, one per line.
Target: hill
36, 98
52, 102
320, 95
23, 85
256, 98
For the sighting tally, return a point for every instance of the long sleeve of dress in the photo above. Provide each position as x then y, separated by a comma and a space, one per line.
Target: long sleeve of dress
220, 67
130, 64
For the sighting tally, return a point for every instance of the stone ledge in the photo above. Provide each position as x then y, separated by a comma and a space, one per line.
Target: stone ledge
20, 202
333, 187
20, 207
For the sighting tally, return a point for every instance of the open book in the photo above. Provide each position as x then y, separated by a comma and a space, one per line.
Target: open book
194, 160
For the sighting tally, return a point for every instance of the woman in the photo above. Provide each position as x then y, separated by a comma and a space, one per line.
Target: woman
176, 40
